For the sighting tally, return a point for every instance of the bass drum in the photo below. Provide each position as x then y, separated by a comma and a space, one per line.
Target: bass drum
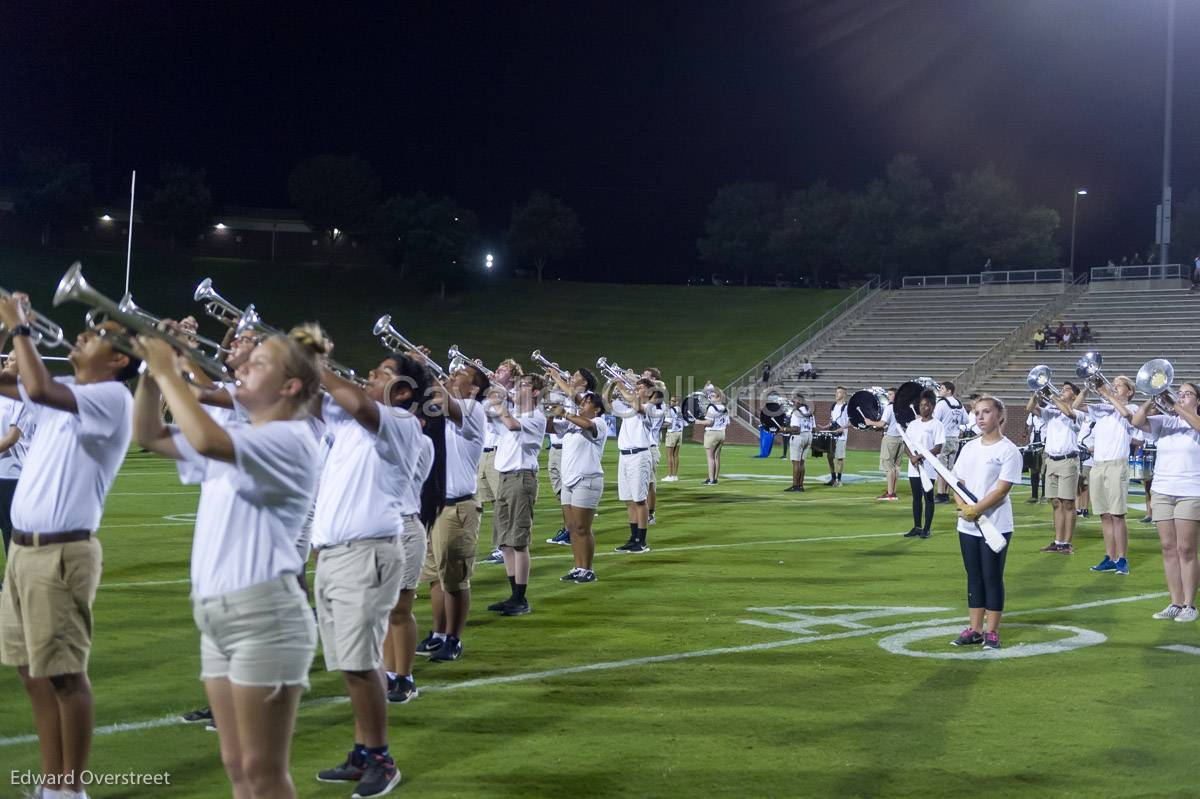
774, 415
693, 407
866, 404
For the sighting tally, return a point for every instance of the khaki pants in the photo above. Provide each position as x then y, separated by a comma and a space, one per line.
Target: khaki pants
1062, 478
356, 587
554, 467
891, 451
46, 607
1110, 487
487, 478
450, 556
514, 508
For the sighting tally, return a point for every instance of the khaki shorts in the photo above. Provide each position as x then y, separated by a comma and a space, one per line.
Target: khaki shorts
554, 467
357, 585
673, 440
655, 457
798, 444
1164, 507
514, 508
839, 448
487, 478
1062, 478
713, 438
891, 452
949, 452
450, 555
584, 494
1110, 487
46, 607
633, 477
1085, 474
413, 542
263, 635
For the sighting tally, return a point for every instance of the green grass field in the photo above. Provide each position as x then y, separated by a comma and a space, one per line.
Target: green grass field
707, 332
650, 683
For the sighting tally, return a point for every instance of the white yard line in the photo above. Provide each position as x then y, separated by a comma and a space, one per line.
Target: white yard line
171, 721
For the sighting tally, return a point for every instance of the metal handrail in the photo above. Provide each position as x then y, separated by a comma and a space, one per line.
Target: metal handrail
750, 376
1140, 272
939, 281
1024, 276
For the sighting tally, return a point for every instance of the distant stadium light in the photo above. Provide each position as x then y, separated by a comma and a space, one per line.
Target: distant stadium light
1081, 192
106, 218
221, 226
488, 261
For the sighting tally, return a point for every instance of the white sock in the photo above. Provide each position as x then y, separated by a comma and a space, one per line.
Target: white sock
410, 679
439, 636
391, 675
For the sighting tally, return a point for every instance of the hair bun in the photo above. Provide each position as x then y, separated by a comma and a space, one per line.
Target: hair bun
310, 336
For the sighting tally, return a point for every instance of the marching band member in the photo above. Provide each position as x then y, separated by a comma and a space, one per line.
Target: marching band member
988, 467
952, 416
1176, 497
53, 568
364, 507
582, 381
654, 424
673, 439
1062, 472
487, 479
716, 419
931, 434
517, 462
634, 464
450, 556
800, 429
16, 427
1037, 467
1086, 441
258, 637
890, 448
583, 480
839, 423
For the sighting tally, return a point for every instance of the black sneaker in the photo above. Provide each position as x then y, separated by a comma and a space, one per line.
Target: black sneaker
380, 776
913, 533
925, 534
496, 607
570, 576
405, 691
585, 576
941, 499
636, 548
349, 771
195, 716
628, 546
450, 650
968, 637
428, 646
518, 608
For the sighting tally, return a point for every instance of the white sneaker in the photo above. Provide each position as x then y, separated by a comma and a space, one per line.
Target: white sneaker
650, 522
1169, 612
1187, 614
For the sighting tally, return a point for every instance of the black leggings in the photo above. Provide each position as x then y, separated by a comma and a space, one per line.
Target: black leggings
985, 572
8, 488
917, 494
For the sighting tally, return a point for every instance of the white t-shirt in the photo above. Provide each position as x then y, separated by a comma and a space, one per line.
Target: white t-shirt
718, 414
517, 450
655, 415
410, 503
950, 412
979, 467
251, 511
582, 452
239, 411
464, 448
491, 431
839, 417
1177, 469
73, 458
633, 433
675, 420
1035, 424
365, 475
889, 418
929, 435
800, 421
972, 425
1060, 432
1112, 432
13, 414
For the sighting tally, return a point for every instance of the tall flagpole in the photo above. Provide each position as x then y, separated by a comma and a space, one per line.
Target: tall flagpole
129, 246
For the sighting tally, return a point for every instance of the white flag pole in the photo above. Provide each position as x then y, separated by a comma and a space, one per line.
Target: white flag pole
129, 246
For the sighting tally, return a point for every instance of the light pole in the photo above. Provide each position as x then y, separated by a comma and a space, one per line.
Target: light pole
1075, 212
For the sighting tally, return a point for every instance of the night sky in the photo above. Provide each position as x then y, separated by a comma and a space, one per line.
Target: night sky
634, 113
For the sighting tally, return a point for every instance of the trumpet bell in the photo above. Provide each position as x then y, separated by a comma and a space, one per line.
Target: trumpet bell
71, 285
1039, 377
204, 291
382, 324
1155, 377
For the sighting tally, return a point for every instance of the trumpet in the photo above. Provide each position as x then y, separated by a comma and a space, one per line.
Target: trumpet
251, 322
129, 306
615, 373
43, 331
550, 366
346, 373
1039, 382
456, 356
1087, 369
1154, 380
216, 306
73, 287
394, 341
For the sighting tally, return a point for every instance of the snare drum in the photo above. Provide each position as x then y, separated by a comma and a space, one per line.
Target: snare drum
1031, 457
823, 443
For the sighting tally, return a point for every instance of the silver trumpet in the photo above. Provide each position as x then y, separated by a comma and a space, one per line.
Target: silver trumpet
43, 330
1039, 381
1087, 369
129, 306
73, 287
217, 306
251, 322
550, 366
1154, 381
456, 356
615, 373
394, 341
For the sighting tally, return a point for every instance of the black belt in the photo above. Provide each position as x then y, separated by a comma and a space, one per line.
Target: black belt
456, 500
1063, 457
43, 539
489, 449
556, 446
632, 451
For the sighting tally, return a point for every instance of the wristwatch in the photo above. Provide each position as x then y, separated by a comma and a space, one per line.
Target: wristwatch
22, 330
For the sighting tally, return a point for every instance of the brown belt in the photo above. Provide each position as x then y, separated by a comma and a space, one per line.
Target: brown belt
43, 539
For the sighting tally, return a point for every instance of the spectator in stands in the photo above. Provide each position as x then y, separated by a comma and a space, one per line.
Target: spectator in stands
1039, 339
807, 371
766, 372
1137, 259
1075, 332
1196, 274
1085, 334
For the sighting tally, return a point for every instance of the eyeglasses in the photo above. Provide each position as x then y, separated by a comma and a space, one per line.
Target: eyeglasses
1186, 393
